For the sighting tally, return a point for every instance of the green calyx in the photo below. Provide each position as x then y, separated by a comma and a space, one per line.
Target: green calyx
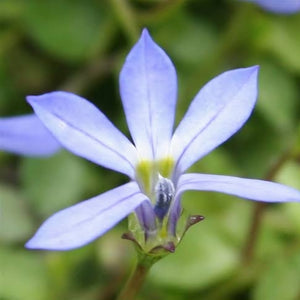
161, 243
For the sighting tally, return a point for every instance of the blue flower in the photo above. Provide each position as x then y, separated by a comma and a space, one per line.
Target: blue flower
279, 6
26, 135
157, 161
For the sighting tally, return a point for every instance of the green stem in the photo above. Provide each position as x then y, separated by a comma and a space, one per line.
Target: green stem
136, 279
126, 18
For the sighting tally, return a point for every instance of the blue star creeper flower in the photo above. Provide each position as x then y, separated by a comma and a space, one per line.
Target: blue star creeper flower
26, 135
279, 6
156, 162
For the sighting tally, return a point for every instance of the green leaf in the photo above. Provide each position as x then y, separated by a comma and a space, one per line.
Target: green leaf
289, 175
16, 224
189, 41
257, 146
273, 231
283, 40
203, 258
217, 161
11, 9
71, 30
23, 276
278, 98
280, 281
230, 215
53, 183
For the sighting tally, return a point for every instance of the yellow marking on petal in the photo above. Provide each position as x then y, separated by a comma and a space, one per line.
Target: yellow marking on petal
163, 234
144, 171
165, 166
147, 174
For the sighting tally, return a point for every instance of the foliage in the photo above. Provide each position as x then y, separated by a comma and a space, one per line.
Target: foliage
80, 46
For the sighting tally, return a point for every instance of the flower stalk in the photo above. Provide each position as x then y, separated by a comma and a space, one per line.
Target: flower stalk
137, 277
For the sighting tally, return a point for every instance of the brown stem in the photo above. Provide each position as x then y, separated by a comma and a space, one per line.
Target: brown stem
258, 213
259, 209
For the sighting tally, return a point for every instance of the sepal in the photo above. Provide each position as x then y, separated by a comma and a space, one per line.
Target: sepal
161, 243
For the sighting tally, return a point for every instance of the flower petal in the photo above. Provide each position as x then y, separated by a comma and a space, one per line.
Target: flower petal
277, 6
252, 189
148, 87
219, 110
84, 130
26, 135
82, 223
146, 216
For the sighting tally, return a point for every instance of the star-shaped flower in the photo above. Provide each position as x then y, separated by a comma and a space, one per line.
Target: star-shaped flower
279, 6
26, 135
156, 160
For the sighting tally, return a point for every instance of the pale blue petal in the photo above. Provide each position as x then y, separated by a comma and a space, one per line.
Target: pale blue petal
279, 6
174, 215
252, 189
84, 130
219, 110
148, 88
80, 224
146, 217
26, 135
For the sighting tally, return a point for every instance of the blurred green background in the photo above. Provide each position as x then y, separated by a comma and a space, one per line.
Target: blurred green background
80, 46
